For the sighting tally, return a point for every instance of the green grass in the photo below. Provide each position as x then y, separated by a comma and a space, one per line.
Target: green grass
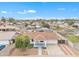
57, 28
30, 46
73, 38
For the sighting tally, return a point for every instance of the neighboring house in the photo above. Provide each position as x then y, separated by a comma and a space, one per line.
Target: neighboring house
62, 24
21, 26
38, 27
76, 25
7, 28
44, 30
6, 37
31, 28
76, 32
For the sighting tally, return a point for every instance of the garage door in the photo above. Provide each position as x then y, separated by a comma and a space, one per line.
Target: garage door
61, 41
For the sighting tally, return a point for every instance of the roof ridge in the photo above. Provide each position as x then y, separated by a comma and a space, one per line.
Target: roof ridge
39, 36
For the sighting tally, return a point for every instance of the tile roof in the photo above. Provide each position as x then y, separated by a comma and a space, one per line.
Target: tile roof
43, 35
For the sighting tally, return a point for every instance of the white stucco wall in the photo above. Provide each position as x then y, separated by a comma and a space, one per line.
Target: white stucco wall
51, 41
48, 42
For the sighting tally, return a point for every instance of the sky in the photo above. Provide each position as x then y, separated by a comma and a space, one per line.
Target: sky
32, 10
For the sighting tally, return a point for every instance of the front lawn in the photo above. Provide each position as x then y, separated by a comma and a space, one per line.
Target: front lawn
30, 46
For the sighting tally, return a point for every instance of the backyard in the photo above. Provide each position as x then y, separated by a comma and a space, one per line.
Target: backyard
73, 38
57, 28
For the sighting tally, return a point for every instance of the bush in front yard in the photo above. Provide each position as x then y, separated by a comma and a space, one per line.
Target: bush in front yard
30, 46
22, 41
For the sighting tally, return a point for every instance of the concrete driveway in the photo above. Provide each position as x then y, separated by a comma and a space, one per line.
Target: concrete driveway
54, 50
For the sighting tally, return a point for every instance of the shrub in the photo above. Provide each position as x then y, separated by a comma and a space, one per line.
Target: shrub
22, 41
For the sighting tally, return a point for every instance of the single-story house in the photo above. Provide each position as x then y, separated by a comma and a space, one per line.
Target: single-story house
44, 30
33, 27
43, 38
76, 25
7, 28
30, 27
38, 26
6, 37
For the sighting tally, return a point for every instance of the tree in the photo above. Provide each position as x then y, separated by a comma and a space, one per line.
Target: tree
26, 24
22, 41
69, 21
12, 20
44, 24
31, 22
3, 19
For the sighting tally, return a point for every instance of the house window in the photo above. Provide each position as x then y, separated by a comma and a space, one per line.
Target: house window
41, 41
32, 40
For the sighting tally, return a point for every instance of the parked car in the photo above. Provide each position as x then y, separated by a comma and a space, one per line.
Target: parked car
2, 46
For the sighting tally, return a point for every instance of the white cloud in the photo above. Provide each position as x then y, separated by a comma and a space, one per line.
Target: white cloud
26, 11
22, 12
61, 9
31, 11
4, 12
74, 17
